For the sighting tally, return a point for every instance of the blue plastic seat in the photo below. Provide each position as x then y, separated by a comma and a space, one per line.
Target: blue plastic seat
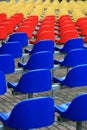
33, 81
39, 60
2, 83
76, 77
73, 58
14, 48
74, 110
73, 43
44, 45
19, 36
7, 64
29, 114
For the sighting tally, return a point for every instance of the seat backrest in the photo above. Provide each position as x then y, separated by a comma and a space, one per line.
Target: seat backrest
75, 57
63, 17
19, 16
79, 20
7, 64
43, 45
3, 17
35, 81
32, 113
14, 48
2, 83
27, 29
19, 36
78, 108
45, 28
73, 43
39, 60
77, 76
3, 32
46, 35
66, 23
68, 35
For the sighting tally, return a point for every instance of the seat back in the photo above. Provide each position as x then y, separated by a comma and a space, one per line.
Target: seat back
73, 43
7, 64
77, 76
14, 48
75, 57
43, 45
46, 35
35, 81
32, 113
40, 60
79, 20
68, 35
2, 83
28, 29
3, 17
3, 32
77, 108
19, 36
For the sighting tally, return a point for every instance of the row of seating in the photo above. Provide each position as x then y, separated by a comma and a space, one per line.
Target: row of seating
28, 25
8, 25
39, 112
34, 62
27, 8
66, 29
67, 113
35, 75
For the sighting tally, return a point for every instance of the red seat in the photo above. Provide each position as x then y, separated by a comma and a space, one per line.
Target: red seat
66, 22
68, 35
26, 29
9, 26
3, 33
79, 20
64, 17
46, 35
45, 28
3, 17
19, 16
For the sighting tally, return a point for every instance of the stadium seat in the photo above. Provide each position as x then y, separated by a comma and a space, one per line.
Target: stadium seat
19, 36
29, 114
45, 35
27, 29
74, 110
43, 45
73, 78
33, 81
2, 83
3, 17
73, 43
39, 60
7, 63
73, 58
14, 48
3, 33
68, 35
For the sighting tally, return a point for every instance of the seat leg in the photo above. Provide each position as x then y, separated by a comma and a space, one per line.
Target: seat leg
54, 94
79, 125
